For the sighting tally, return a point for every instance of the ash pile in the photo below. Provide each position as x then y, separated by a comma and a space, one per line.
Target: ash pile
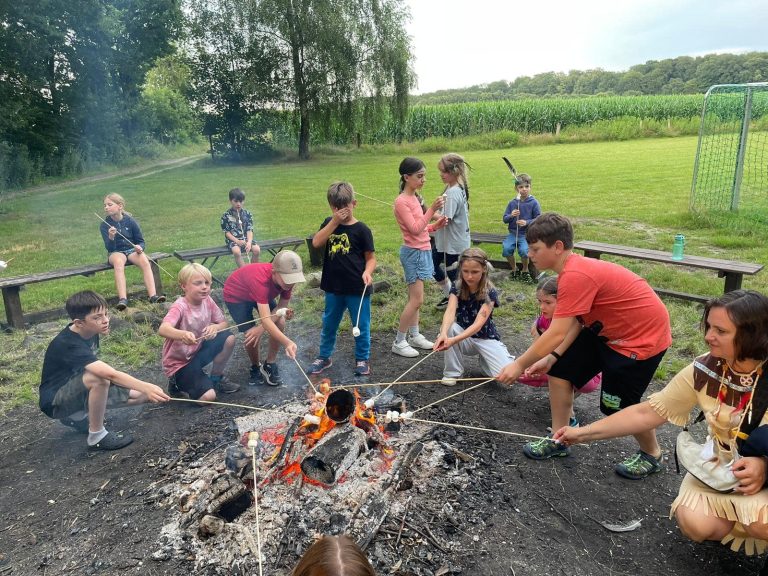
401, 491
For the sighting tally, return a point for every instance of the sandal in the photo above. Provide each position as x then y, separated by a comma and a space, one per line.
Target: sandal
112, 441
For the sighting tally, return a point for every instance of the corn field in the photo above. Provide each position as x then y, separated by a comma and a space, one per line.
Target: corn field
543, 115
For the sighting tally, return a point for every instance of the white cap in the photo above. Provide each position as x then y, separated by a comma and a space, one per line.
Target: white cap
288, 264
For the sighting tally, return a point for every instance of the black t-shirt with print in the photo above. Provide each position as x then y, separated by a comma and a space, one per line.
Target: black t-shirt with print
344, 260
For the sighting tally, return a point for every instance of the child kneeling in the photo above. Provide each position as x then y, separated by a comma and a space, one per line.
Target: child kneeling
468, 328
195, 335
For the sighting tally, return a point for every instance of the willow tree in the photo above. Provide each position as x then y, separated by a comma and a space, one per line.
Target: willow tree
336, 55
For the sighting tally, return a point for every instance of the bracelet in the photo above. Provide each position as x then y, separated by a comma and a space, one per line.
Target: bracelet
556, 355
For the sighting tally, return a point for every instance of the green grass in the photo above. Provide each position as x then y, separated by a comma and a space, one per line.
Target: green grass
627, 192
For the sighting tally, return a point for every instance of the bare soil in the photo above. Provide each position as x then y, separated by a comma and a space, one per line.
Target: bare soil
67, 511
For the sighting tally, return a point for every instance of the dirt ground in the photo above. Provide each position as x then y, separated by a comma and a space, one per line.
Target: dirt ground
64, 510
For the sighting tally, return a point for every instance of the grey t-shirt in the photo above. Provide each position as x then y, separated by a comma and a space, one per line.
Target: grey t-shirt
454, 237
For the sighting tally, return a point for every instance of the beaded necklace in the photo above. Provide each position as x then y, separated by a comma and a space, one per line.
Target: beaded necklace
747, 385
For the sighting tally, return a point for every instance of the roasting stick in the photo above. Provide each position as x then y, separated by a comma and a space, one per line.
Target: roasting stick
400, 383
134, 245
372, 400
305, 376
216, 403
374, 199
452, 395
465, 427
279, 312
253, 441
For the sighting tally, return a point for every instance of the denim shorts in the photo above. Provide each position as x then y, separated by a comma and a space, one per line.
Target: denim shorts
417, 264
514, 241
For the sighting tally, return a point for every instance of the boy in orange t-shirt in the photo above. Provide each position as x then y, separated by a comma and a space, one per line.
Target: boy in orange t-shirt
608, 320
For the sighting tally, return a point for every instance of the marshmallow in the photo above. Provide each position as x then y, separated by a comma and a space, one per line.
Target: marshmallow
369, 403
253, 439
319, 396
3, 264
388, 417
355, 331
280, 312
395, 416
312, 419
406, 416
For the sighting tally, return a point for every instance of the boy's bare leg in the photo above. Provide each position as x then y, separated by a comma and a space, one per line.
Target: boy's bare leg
221, 359
252, 349
255, 252
236, 252
274, 345
560, 402
117, 260
511, 261
98, 390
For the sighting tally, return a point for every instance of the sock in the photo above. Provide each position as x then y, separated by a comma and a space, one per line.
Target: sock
400, 336
96, 437
413, 330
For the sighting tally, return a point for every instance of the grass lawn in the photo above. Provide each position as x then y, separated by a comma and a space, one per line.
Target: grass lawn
633, 192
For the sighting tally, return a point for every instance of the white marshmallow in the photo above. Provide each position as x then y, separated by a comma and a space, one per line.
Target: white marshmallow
311, 419
369, 403
3, 264
395, 416
253, 439
388, 417
406, 416
280, 312
355, 331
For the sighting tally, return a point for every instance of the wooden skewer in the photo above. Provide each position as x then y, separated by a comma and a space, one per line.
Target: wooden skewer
136, 247
278, 313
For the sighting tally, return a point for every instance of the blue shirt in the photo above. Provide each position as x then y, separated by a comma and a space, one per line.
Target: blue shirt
529, 211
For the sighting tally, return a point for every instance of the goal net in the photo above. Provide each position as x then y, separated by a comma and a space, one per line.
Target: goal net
731, 168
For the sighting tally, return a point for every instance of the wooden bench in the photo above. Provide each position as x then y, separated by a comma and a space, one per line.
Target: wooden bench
732, 271
11, 286
203, 255
486, 238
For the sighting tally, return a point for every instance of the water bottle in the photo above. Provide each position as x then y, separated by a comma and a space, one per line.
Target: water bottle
677, 247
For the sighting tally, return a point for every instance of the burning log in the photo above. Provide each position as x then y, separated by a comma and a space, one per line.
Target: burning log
226, 497
333, 454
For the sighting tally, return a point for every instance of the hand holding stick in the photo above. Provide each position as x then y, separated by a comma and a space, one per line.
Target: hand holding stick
279, 312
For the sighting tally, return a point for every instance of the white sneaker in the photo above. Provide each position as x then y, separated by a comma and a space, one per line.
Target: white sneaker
448, 381
404, 349
419, 341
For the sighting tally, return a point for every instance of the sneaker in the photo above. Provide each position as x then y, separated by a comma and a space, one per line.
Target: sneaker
79, 425
112, 441
514, 275
270, 373
255, 378
442, 304
638, 466
174, 391
122, 304
525, 277
223, 385
157, 299
419, 341
572, 422
362, 368
544, 449
319, 365
404, 349
449, 381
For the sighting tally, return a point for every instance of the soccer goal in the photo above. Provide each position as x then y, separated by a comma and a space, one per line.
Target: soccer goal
731, 169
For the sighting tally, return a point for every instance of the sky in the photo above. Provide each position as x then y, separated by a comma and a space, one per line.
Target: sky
460, 43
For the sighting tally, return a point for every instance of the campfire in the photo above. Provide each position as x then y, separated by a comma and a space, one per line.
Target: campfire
336, 467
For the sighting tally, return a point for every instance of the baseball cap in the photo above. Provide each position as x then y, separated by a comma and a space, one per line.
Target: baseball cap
288, 264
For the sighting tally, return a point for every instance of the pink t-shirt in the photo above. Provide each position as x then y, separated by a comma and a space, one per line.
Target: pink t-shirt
185, 316
253, 283
634, 319
413, 221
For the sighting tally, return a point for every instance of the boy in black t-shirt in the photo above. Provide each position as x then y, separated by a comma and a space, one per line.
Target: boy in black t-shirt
347, 275
76, 387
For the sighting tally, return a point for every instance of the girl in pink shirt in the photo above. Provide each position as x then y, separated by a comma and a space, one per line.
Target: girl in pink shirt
415, 253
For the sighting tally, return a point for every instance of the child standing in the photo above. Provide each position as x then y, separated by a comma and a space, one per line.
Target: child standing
415, 253
546, 295
347, 274
77, 388
192, 329
454, 238
237, 224
256, 286
520, 212
468, 328
125, 243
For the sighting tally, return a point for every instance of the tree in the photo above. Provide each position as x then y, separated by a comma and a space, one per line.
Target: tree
315, 58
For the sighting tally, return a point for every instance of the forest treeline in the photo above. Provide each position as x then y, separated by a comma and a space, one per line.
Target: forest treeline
681, 75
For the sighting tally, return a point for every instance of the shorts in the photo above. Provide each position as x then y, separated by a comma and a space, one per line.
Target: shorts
242, 312
514, 241
73, 397
191, 378
624, 379
231, 244
417, 264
